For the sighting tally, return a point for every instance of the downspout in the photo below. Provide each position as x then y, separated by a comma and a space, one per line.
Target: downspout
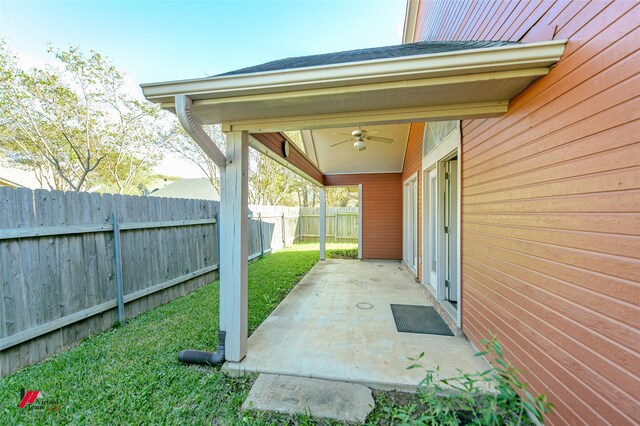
183, 106
203, 357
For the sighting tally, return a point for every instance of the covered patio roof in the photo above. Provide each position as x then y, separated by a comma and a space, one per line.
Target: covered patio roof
393, 84
329, 95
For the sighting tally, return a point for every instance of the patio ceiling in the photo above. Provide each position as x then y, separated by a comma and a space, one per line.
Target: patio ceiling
378, 157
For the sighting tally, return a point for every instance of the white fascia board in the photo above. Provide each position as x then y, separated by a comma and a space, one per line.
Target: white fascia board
410, 19
531, 55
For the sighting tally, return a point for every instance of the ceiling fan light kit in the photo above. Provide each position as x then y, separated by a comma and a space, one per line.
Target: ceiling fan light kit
360, 145
360, 138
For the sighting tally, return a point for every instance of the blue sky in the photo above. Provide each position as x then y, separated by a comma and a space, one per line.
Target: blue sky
170, 40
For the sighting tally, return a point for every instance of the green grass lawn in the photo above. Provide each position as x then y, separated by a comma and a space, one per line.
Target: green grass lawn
131, 374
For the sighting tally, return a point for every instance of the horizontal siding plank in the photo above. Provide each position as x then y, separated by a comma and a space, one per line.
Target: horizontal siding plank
542, 319
543, 373
571, 142
578, 377
609, 202
568, 300
604, 91
606, 295
605, 161
620, 245
532, 15
622, 223
607, 181
489, 26
617, 41
627, 269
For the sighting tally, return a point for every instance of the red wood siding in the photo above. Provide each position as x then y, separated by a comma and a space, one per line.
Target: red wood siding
273, 141
551, 203
413, 164
381, 212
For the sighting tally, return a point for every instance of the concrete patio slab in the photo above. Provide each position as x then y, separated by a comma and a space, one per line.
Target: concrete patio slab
337, 324
320, 398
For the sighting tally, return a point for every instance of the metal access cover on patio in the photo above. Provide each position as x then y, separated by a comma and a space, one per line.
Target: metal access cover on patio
419, 319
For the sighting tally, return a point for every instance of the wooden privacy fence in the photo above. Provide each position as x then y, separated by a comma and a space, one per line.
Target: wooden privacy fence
341, 224
73, 263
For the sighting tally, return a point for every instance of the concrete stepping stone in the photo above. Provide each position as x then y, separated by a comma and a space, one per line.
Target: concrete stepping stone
320, 398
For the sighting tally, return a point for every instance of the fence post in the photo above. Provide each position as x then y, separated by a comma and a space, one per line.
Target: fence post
284, 235
118, 265
261, 240
336, 227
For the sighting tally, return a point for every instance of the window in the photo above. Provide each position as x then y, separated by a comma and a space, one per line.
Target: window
436, 132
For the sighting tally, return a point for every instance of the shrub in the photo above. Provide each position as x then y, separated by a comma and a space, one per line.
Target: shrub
497, 396
343, 253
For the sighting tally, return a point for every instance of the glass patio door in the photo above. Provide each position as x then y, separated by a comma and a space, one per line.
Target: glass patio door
451, 229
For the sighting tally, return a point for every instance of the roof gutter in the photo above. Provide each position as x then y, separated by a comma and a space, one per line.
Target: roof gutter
183, 106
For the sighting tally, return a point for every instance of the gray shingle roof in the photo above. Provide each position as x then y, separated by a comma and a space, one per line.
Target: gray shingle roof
411, 49
199, 189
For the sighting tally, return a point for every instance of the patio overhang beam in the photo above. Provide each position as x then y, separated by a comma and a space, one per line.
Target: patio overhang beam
270, 144
364, 118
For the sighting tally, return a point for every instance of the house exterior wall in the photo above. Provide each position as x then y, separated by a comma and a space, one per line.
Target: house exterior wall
412, 165
551, 202
381, 212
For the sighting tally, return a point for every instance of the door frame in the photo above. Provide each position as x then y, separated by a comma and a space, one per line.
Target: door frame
414, 177
427, 274
449, 148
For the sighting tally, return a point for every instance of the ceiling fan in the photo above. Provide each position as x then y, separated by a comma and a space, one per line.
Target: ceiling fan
360, 138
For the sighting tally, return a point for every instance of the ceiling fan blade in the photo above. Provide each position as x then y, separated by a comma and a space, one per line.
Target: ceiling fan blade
379, 139
338, 143
342, 134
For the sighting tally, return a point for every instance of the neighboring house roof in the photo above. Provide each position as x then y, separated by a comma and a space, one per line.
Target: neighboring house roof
9, 183
200, 189
412, 49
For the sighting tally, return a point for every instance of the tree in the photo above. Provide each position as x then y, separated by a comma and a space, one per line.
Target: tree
76, 127
270, 183
342, 197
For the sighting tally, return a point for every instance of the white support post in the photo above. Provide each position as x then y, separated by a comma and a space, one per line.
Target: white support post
234, 249
323, 221
360, 221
